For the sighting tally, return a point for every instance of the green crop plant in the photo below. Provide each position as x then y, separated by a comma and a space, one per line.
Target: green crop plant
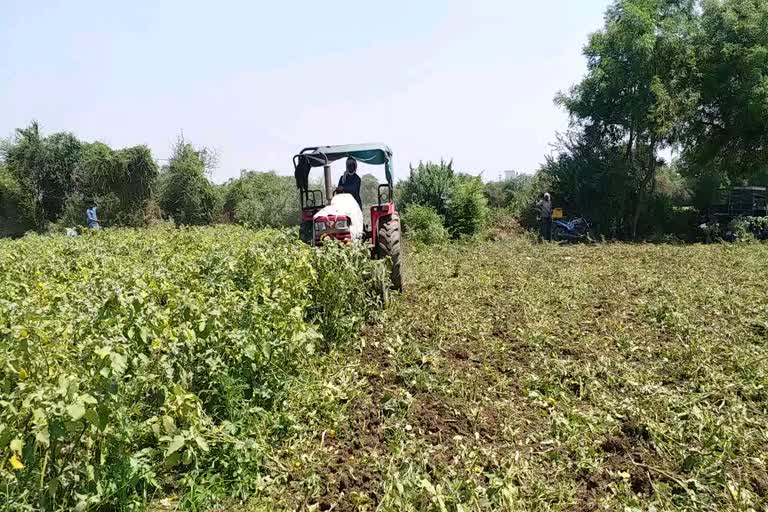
136, 363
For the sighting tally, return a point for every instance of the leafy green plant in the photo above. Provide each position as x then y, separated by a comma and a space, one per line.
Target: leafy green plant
429, 184
14, 206
186, 195
262, 199
423, 225
138, 362
467, 208
748, 229
458, 199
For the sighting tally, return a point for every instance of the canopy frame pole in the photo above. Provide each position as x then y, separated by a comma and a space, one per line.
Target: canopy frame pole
328, 185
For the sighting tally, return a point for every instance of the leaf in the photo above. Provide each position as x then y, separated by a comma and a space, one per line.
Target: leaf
17, 445
177, 443
76, 410
23, 374
201, 443
266, 350
119, 362
88, 399
92, 416
172, 460
16, 463
169, 425
43, 437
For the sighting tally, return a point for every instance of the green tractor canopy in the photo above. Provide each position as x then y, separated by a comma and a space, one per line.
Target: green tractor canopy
372, 154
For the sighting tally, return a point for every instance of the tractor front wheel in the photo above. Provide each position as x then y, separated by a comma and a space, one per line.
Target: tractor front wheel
305, 232
388, 245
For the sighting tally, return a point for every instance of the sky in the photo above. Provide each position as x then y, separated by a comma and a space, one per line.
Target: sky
473, 81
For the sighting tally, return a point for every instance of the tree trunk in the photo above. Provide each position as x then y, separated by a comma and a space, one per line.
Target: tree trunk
630, 143
648, 179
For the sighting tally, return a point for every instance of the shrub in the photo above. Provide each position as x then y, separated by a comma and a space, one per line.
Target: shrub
262, 199
429, 184
468, 207
422, 224
138, 361
681, 222
503, 224
185, 192
460, 200
747, 229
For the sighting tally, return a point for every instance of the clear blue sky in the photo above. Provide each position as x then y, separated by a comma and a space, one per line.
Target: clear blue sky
473, 81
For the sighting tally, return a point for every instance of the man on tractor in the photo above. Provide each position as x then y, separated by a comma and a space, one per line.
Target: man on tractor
350, 182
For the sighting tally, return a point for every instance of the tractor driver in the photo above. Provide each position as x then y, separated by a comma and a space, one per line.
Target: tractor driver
350, 182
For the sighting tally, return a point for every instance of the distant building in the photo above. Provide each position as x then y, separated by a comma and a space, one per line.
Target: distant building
510, 175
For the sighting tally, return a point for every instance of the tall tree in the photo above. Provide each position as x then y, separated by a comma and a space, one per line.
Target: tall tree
632, 94
43, 167
727, 138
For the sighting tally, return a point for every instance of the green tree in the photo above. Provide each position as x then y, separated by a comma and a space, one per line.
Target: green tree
43, 168
185, 192
633, 94
589, 176
468, 208
429, 184
121, 182
14, 206
726, 140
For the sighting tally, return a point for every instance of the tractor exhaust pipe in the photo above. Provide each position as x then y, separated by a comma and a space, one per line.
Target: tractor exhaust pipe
328, 185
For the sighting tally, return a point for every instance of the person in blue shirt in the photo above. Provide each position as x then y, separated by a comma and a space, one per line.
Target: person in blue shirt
350, 182
90, 215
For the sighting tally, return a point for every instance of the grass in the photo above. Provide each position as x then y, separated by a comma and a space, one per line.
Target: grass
513, 376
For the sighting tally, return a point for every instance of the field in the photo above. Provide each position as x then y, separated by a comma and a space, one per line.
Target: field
509, 376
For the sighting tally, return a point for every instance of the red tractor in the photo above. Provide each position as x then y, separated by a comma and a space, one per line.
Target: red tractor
383, 233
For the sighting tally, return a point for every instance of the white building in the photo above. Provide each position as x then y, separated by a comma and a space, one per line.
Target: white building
510, 175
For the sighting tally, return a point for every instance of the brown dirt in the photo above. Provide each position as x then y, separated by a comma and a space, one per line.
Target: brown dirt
433, 417
349, 477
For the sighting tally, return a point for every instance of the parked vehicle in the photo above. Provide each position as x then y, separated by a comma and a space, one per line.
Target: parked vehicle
577, 229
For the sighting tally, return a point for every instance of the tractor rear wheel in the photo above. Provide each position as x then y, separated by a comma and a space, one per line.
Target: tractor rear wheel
388, 245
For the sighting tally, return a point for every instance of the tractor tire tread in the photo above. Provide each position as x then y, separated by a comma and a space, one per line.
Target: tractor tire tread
389, 245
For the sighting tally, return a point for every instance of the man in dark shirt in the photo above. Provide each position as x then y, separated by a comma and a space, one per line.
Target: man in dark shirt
350, 182
544, 209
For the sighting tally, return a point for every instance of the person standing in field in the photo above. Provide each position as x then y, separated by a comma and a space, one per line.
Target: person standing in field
91, 218
544, 208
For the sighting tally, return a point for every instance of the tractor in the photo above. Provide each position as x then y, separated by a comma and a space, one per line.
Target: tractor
317, 224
